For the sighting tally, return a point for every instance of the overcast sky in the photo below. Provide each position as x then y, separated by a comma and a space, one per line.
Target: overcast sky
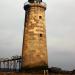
60, 26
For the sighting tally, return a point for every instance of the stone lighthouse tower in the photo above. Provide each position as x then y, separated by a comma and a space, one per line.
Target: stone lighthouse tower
34, 51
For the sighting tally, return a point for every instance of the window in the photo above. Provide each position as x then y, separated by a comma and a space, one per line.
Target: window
40, 17
40, 35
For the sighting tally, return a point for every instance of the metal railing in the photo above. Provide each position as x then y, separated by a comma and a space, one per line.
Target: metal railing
11, 64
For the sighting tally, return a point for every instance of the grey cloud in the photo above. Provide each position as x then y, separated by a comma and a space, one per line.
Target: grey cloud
61, 58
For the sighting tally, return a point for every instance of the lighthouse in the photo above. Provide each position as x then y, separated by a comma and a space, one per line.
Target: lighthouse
34, 49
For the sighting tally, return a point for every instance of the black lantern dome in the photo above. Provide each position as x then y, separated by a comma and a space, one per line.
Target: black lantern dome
34, 1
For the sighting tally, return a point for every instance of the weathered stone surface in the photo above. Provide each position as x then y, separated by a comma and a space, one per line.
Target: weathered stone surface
34, 41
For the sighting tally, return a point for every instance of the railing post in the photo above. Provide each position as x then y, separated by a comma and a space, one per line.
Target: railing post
45, 72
